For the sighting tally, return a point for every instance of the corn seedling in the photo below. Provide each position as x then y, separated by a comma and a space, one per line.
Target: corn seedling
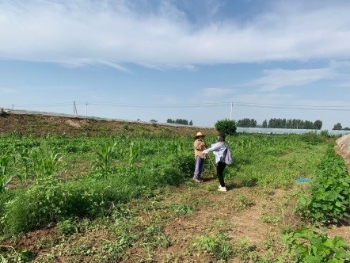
44, 163
5, 177
105, 157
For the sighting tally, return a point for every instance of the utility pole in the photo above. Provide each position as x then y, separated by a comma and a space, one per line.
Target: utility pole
75, 109
86, 105
231, 111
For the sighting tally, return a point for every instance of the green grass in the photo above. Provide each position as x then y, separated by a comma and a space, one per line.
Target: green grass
124, 192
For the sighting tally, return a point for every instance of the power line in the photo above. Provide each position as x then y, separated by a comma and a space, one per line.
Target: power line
219, 104
44, 105
194, 105
300, 107
198, 105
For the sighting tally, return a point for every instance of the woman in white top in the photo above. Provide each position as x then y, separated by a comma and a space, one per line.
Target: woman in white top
219, 149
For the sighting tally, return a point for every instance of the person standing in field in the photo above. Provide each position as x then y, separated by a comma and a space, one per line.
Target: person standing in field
222, 155
199, 145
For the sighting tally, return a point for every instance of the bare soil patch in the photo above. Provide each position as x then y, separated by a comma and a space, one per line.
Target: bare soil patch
41, 125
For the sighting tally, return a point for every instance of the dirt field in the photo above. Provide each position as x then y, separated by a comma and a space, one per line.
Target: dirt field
36, 124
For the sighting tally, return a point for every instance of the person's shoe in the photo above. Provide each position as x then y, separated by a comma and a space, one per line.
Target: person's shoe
222, 188
197, 180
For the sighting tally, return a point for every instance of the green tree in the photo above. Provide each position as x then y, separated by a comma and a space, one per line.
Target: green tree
318, 125
308, 125
180, 121
264, 124
337, 126
253, 123
246, 122
226, 126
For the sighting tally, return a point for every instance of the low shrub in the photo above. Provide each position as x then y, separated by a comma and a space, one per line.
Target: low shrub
305, 245
330, 192
311, 138
226, 126
50, 200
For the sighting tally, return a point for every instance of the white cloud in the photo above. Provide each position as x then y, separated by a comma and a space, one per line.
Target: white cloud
81, 32
328, 104
345, 64
280, 78
217, 93
344, 85
8, 91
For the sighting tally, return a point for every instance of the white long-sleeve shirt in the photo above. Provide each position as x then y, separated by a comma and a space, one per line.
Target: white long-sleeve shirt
218, 149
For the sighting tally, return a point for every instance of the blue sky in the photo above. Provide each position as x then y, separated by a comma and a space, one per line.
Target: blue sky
177, 59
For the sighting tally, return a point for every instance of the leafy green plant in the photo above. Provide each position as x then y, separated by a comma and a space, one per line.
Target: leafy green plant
50, 201
246, 252
310, 246
244, 202
68, 226
16, 255
24, 161
5, 176
105, 158
154, 236
270, 219
325, 133
226, 126
182, 209
330, 192
311, 138
45, 163
218, 246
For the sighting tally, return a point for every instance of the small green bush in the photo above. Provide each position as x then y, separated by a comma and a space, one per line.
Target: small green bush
50, 201
310, 246
311, 138
218, 246
67, 227
330, 192
226, 126
325, 133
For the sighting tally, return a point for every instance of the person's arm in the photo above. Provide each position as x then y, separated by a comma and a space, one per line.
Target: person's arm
213, 147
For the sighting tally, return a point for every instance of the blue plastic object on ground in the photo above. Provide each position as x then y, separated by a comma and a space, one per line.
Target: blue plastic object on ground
303, 180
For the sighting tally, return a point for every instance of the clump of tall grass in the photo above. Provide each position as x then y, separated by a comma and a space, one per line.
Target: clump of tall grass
50, 200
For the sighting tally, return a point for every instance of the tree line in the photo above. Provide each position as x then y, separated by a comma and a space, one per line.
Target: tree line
180, 121
339, 127
281, 123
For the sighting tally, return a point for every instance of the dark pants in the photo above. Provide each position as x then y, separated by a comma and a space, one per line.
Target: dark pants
220, 167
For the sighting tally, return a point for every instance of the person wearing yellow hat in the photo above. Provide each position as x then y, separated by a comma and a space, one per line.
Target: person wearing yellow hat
199, 146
